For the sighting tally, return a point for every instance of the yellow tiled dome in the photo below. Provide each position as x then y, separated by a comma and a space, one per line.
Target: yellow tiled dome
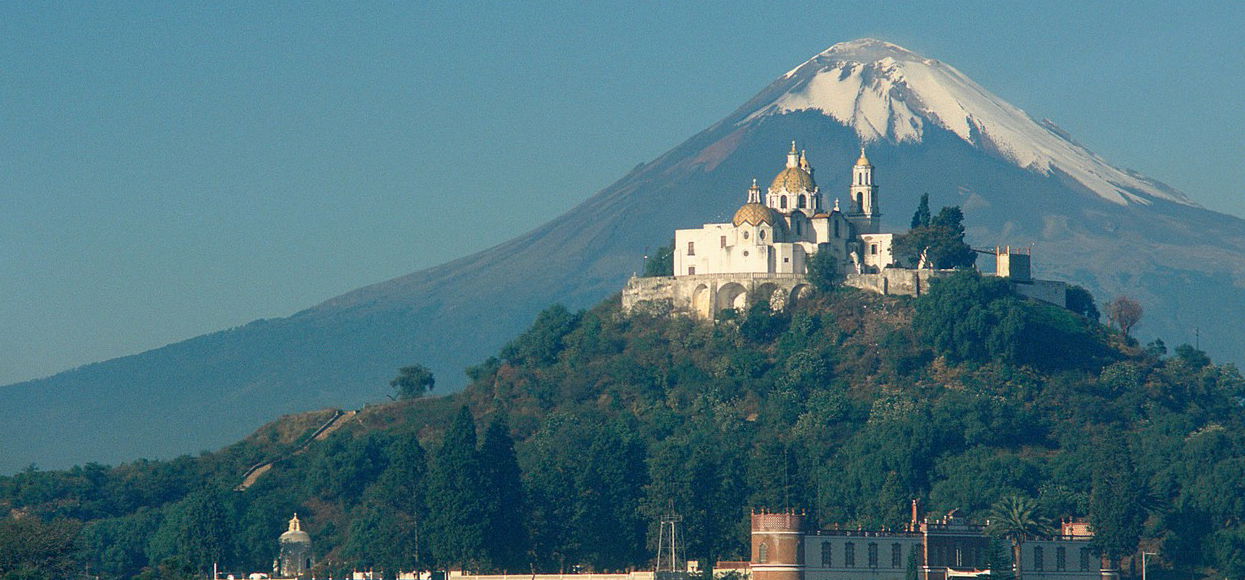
794, 180
754, 214
863, 161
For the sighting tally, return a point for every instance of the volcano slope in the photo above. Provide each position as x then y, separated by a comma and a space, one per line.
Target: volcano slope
927, 129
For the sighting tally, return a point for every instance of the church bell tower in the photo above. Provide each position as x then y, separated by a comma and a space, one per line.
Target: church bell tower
864, 212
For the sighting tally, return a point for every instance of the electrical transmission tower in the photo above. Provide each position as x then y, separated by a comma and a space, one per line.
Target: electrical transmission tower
669, 548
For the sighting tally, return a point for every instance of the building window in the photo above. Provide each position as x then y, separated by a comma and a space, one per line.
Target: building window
873, 249
782, 202
873, 554
849, 554
691, 270
786, 260
797, 227
691, 248
920, 554
1038, 556
1085, 558
762, 553
836, 229
761, 234
745, 234
723, 241
803, 201
1061, 558
896, 554
827, 559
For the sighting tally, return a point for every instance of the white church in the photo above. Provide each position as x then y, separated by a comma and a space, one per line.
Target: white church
763, 253
779, 235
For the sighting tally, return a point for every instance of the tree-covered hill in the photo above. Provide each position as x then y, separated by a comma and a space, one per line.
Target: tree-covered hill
571, 442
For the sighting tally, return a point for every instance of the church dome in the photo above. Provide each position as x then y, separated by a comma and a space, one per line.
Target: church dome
864, 160
295, 533
794, 180
754, 214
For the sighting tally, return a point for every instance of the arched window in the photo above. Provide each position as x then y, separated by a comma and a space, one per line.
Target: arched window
827, 559
782, 202
762, 553
803, 201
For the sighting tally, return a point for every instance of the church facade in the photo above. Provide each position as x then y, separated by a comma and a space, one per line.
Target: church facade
763, 253
779, 231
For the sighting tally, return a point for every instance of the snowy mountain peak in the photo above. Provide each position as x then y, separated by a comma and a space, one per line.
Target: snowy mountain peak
888, 93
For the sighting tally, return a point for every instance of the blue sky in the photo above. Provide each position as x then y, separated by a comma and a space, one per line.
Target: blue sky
171, 169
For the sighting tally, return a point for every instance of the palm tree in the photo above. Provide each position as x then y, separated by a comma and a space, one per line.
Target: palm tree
1016, 518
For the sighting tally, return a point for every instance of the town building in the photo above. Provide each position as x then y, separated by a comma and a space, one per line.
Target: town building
783, 548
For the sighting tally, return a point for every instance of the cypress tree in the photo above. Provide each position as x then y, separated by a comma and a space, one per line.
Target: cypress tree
457, 496
506, 540
921, 218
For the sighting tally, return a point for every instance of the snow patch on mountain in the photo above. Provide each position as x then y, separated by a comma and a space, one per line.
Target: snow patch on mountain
886, 92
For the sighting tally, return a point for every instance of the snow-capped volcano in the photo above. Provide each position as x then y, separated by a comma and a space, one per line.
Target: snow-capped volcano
886, 92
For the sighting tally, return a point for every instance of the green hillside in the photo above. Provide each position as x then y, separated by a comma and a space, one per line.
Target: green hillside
587, 427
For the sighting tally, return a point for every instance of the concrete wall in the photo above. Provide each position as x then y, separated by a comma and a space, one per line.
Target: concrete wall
703, 296
1048, 291
896, 281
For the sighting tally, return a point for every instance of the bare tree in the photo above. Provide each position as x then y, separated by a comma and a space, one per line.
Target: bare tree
1124, 312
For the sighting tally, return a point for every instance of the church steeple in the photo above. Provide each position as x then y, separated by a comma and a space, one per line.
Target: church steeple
864, 195
754, 192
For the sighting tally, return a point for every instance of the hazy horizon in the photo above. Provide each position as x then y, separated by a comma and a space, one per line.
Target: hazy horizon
176, 170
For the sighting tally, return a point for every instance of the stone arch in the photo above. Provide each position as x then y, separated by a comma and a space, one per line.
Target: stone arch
772, 294
732, 295
702, 303
799, 294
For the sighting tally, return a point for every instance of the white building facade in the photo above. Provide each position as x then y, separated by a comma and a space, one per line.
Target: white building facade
780, 233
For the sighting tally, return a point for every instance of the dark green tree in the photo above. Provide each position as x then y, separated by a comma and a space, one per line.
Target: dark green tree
456, 527
941, 242
612, 484
542, 342
1080, 301
195, 529
413, 381
661, 262
823, 271
30, 548
506, 537
387, 529
1117, 500
921, 218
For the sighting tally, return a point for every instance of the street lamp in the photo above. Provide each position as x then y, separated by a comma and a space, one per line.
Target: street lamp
1143, 563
